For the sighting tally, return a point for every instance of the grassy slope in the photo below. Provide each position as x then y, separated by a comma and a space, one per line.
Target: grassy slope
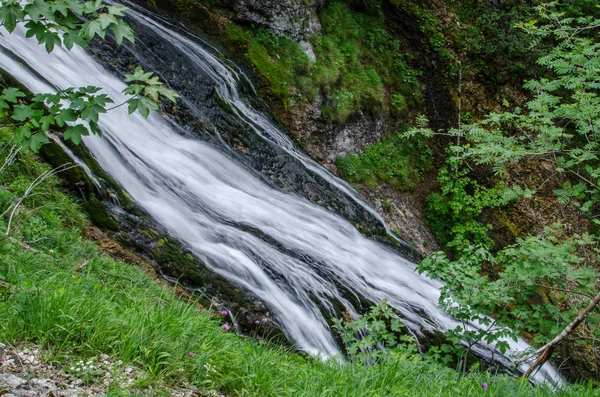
76, 302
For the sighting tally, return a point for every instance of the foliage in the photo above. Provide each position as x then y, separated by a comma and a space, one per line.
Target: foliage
520, 286
453, 213
559, 125
58, 22
358, 61
540, 283
77, 110
508, 56
283, 63
393, 160
371, 337
78, 304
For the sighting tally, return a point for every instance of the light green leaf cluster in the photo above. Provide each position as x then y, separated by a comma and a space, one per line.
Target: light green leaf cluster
76, 110
560, 124
59, 22
146, 90
45, 111
537, 266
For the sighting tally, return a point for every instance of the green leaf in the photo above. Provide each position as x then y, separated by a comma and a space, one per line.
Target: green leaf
12, 94
92, 28
133, 89
36, 28
91, 112
122, 30
68, 40
149, 104
22, 133
37, 140
11, 13
132, 105
95, 129
138, 75
69, 115
63, 8
143, 108
74, 133
106, 20
152, 92
169, 94
22, 113
118, 11
46, 122
93, 6
37, 9
50, 41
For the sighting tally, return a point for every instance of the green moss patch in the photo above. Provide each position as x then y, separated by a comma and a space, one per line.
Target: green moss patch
394, 160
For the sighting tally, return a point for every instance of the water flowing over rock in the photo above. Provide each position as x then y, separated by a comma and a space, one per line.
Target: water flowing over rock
225, 181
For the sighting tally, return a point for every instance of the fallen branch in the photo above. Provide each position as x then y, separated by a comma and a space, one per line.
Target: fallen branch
546, 351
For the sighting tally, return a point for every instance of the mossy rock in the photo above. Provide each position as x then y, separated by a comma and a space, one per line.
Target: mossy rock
99, 215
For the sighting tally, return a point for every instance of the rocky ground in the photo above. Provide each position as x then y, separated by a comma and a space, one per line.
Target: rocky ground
25, 373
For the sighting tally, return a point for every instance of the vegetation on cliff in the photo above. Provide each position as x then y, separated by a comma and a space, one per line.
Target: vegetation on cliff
543, 284
358, 66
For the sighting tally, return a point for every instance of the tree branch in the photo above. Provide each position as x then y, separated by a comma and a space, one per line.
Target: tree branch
548, 348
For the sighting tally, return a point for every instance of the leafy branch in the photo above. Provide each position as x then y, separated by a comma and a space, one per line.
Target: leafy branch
76, 110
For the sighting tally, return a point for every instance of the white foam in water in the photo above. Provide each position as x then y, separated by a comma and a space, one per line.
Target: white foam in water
198, 193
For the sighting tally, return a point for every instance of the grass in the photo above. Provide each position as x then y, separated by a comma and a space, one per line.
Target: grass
77, 303
399, 162
358, 66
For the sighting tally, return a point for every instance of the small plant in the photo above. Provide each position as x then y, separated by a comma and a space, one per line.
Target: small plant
374, 336
88, 371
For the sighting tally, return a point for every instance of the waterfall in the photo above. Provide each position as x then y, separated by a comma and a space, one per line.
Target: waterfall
201, 192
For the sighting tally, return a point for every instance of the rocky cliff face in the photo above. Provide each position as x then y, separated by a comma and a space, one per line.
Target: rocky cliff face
294, 18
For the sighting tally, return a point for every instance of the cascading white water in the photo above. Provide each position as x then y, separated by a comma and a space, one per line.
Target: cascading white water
199, 194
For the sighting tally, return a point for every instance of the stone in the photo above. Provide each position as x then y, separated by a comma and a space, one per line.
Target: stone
71, 393
44, 385
12, 381
294, 18
26, 393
